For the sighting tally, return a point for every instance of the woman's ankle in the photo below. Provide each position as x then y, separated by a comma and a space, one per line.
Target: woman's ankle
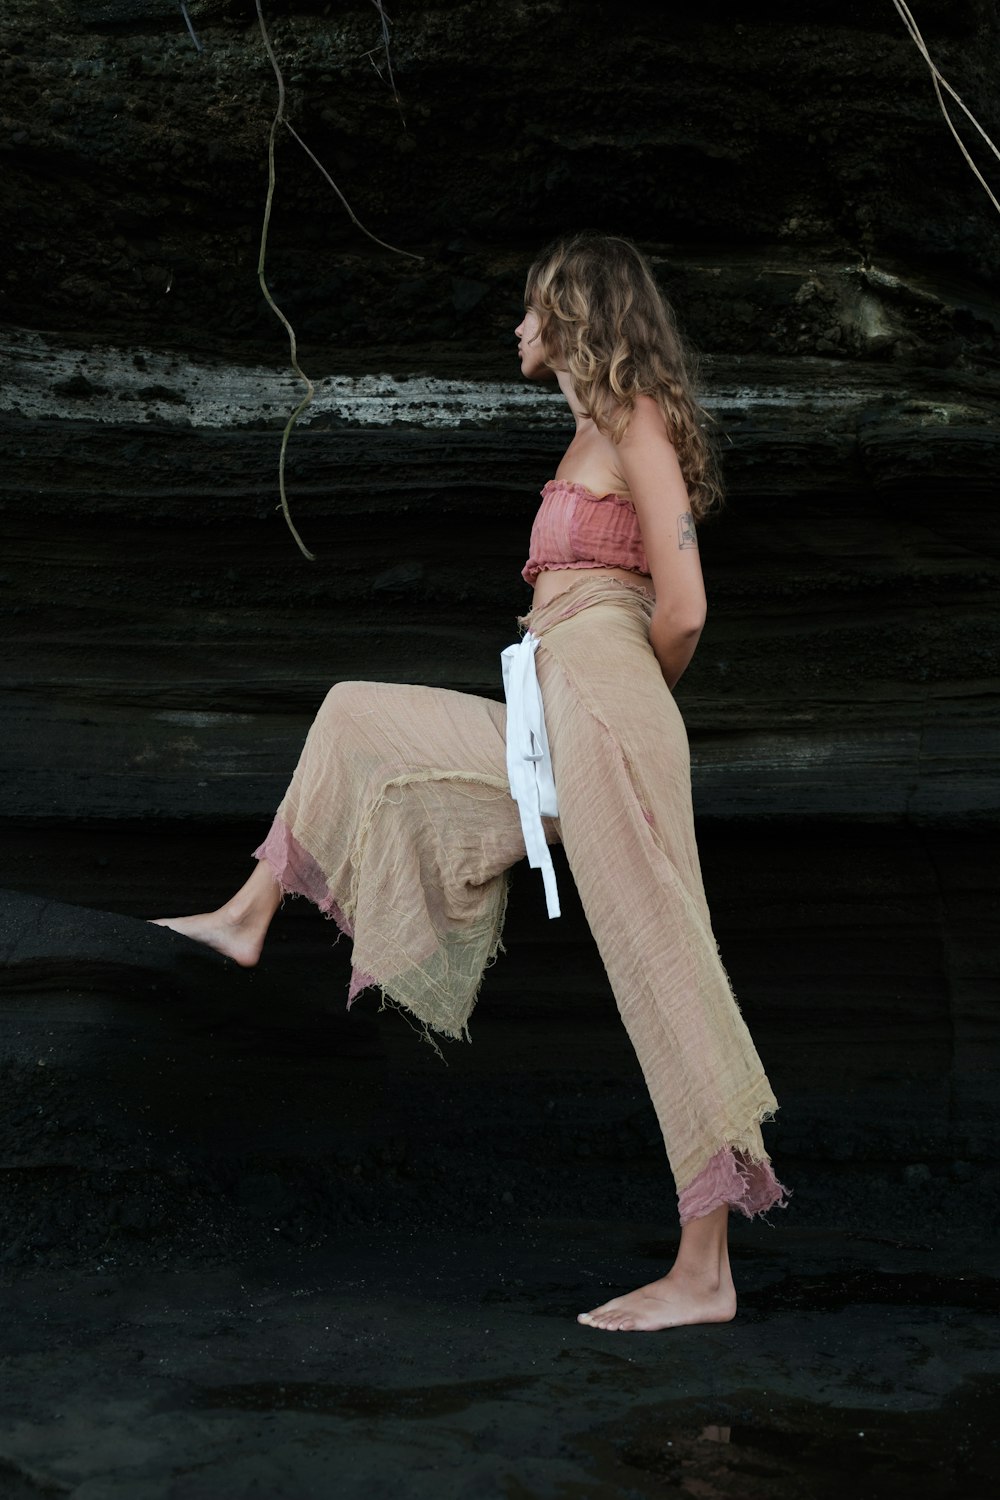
255, 903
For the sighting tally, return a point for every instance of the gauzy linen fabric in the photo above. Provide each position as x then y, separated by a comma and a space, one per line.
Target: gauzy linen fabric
574, 528
399, 823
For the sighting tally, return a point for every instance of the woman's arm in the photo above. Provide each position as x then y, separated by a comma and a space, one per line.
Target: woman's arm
650, 469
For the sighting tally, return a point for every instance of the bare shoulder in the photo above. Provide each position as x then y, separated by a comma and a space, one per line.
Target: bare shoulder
650, 466
646, 458
646, 426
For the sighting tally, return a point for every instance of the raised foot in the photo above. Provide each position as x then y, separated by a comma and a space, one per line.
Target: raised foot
671, 1302
217, 930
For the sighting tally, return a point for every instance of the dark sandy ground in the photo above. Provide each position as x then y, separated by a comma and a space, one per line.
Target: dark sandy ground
250, 1247
420, 1365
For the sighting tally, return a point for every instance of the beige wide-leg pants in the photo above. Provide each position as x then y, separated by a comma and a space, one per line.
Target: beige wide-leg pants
399, 823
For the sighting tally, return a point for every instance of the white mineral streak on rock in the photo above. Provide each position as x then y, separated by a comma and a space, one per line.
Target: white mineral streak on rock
42, 379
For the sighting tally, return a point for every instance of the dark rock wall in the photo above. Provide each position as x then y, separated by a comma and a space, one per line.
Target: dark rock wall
730, 141
830, 254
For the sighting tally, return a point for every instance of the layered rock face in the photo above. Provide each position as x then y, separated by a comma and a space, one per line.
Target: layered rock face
834, 260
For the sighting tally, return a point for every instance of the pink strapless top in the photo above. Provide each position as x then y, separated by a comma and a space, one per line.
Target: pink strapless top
575, 528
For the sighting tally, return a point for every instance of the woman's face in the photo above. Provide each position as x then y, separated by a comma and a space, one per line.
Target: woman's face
529, 347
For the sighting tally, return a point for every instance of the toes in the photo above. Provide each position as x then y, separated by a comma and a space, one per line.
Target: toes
606, 1310
608, 1323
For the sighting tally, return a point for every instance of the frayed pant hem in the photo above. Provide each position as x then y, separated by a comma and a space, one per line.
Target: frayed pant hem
733, 1178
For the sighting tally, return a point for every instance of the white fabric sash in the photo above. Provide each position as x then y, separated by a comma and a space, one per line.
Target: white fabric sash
529, 765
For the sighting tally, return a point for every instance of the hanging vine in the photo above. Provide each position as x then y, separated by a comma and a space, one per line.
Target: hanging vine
280, 120
940, 82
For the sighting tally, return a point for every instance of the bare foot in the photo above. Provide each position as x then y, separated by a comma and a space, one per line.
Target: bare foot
220, 930
238, 929
676, 1300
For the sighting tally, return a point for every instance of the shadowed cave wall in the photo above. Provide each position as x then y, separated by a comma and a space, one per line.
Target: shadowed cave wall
834, 261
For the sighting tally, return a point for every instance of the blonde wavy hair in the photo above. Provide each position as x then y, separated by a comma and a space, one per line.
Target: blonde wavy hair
604, 320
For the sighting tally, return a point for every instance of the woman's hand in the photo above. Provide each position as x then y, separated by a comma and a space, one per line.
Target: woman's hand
652, 475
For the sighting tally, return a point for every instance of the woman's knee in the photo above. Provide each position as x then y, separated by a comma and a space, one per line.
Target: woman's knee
348, 700
343, 711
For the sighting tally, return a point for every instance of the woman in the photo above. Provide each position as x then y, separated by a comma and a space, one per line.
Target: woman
399, 821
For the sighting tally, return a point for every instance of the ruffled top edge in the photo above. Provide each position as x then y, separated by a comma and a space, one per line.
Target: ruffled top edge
581, 489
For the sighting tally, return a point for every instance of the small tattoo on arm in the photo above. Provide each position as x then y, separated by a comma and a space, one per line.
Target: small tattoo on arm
685, 531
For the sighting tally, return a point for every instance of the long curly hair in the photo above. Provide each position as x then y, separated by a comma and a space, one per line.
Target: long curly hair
605, 320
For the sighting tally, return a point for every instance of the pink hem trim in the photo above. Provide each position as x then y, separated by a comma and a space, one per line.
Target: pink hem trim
731, 1177
298, 874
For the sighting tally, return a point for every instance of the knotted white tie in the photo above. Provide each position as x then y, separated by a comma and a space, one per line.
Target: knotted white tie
529, 765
